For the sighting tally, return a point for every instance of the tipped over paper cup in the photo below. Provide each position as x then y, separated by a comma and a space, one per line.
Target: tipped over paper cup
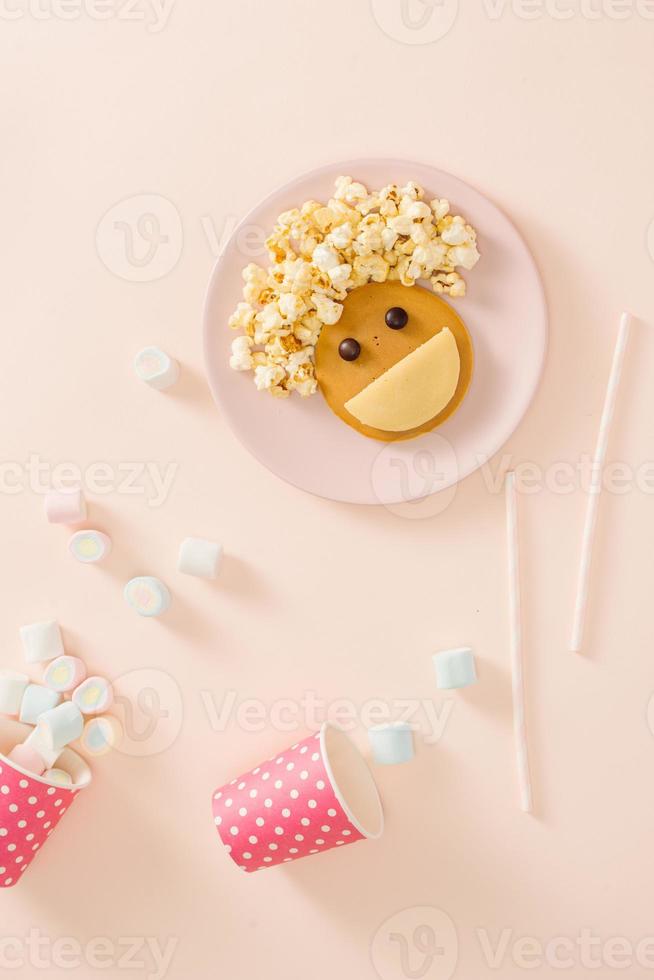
30, 806
315, 796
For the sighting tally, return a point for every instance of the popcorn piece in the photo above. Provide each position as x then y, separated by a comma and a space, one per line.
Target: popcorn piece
371, 267
327, 310
349, 190
325, 257
242, 317
341, 236
241, 359
466, 256
340, 275
291, 307
267, 376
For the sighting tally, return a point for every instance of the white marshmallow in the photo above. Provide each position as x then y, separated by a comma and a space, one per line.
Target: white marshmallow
147, 595
94, 696
101, 735
12, 689
59, 777
35, 740
156, 368
60, 726
36, 700
197, 556
41, 641
65, 673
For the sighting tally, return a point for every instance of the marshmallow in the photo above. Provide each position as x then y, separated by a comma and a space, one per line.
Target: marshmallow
89, 546
27, 758
41, 641
101, 735
39, 743
60, 726
200, 557
147, 595
36, 700
94, 696
65, 673
455, 668
65, 506
12, 689
156, 368
391, 744
58, 776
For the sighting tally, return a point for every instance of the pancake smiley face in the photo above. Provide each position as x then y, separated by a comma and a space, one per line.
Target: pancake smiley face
398, 362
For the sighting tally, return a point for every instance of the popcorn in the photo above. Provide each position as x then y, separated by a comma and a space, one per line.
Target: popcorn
371, 267
291, 306
325, 257
340, 275
327, 310
256, 280
466, 256
319, 252
341, 236
241, 359
268, 376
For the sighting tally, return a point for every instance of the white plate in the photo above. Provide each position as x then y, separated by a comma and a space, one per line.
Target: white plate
303, 442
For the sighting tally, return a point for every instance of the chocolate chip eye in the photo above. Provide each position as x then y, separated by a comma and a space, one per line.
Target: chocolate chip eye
349, 349
396, 318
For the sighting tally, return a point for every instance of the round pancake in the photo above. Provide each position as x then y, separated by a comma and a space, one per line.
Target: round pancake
363, 318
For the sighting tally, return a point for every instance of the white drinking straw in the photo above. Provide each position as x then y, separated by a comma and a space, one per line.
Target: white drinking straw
515, 614
596, 484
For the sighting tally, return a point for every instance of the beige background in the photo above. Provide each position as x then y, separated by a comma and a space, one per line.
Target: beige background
552, 118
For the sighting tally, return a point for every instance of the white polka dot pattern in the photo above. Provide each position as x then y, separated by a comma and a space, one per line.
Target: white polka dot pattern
29, 812
283, 810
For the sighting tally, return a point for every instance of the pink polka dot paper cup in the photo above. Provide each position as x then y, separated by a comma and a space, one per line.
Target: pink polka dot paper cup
317, 795
30, 806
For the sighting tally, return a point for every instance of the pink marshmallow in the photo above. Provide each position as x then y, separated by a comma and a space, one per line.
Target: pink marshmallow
65, 506
27, 758
65, 673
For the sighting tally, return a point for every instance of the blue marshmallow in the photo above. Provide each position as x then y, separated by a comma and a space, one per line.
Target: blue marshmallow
36, 700
391, 744
455, 668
